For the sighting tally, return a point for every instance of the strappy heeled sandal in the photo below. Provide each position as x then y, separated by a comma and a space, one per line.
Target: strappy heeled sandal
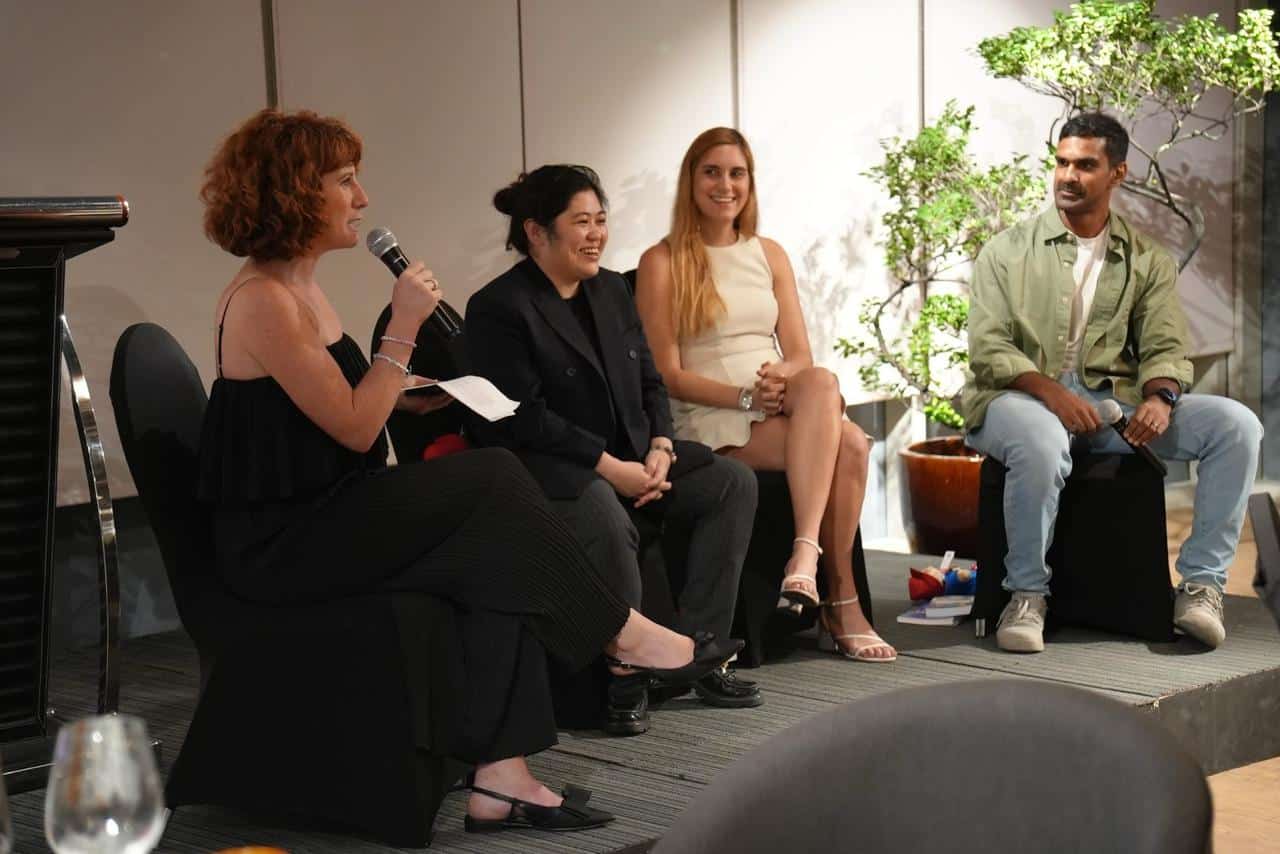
855, 652
572, 814
799, 588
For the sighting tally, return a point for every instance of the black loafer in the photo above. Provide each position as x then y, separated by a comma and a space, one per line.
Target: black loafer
724, 689
628, 711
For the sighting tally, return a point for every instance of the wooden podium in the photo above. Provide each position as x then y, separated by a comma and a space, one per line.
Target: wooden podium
37, 236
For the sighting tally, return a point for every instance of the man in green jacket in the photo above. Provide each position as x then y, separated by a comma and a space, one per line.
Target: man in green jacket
1071, 308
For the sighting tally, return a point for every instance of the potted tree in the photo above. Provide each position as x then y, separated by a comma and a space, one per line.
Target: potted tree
943, 208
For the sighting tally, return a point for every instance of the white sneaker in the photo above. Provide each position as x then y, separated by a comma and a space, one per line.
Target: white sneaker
1021, 626
1198, 612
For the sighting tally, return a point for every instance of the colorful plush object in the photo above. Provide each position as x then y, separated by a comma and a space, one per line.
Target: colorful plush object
932, 581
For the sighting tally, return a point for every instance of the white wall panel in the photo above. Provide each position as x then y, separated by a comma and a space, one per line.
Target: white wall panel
1013, 119
432, 86
624, 87
822, 83
128, 98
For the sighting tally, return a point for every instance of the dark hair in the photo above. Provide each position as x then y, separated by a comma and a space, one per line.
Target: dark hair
1099, 126
542, 195
262, 190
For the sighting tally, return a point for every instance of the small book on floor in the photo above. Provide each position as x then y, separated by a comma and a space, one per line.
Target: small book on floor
917, 615
949, 606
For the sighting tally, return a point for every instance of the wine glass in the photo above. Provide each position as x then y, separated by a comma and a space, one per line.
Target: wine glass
6, 827
103, 795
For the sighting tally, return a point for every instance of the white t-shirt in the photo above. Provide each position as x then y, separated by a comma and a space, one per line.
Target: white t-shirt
1091, 252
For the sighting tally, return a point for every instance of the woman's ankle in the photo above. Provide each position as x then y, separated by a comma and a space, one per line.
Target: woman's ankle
510, 777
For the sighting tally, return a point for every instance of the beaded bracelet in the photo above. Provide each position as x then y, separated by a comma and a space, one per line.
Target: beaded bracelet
384, 357
399, 341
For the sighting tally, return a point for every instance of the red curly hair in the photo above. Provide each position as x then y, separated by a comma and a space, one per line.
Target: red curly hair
262, 189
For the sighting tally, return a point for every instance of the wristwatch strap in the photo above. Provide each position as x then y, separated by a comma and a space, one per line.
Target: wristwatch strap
1169, 396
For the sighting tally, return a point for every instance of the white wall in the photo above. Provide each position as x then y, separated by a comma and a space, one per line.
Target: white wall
624, 88
127, 98
131, 98
434, 90
822, 82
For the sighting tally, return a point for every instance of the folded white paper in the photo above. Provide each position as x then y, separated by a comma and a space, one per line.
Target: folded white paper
477, 394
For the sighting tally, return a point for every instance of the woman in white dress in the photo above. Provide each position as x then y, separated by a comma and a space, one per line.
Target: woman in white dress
722, 316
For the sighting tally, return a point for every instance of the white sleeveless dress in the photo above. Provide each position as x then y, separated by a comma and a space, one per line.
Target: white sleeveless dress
735, 348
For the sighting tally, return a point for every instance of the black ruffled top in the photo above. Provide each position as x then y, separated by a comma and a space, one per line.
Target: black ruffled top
257, 446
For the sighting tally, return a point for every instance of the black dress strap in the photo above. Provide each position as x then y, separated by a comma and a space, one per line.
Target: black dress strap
223, 320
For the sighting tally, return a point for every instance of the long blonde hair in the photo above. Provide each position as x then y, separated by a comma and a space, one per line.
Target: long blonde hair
696, 303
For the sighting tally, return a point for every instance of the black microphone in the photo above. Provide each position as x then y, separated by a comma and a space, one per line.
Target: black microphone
383, 244
1110, 412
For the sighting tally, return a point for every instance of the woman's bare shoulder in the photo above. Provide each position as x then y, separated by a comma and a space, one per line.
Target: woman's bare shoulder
772, 248
658, 253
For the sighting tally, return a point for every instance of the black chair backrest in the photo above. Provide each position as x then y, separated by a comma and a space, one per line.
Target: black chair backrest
439, 359
159, 404
1266, 533
968, 767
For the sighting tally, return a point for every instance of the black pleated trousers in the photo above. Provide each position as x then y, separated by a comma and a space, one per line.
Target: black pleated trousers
473, 528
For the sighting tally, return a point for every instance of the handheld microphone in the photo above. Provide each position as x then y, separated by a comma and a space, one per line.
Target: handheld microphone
1110, 412
384, 246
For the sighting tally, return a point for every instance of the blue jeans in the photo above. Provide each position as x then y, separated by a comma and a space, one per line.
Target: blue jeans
1020, 431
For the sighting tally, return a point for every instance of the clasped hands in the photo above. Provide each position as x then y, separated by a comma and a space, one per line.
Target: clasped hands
770, 388
643, 482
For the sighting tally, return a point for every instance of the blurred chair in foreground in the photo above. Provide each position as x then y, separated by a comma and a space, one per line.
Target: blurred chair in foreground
991, 765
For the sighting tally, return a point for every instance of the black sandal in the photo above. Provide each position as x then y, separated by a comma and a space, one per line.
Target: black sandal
709, 653
572, 814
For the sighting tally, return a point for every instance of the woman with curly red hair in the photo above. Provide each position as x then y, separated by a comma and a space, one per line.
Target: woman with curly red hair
292, 461
722, 314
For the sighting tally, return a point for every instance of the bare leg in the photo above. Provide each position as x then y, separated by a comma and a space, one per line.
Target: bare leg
805, 444
839, 527
841, 495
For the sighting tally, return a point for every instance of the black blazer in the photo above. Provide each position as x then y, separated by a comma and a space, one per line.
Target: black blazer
523, 338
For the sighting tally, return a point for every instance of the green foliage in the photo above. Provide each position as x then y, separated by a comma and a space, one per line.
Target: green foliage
943, 208
1121, 57
1105, 54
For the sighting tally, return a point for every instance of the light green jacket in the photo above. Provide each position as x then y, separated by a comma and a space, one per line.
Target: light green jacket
1020, 310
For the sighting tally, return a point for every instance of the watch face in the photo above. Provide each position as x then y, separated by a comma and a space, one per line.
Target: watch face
1167, 396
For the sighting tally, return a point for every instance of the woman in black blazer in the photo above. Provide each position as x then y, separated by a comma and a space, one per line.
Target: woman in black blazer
561, 335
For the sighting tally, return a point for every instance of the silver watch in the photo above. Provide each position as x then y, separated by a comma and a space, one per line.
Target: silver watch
745, 399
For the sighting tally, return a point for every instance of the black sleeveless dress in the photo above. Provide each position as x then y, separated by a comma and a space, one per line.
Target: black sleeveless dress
298, 517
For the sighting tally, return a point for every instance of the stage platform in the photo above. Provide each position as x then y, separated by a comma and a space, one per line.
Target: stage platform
1224, 705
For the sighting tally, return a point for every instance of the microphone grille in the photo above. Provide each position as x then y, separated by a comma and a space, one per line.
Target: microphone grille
380, 240
1109, 411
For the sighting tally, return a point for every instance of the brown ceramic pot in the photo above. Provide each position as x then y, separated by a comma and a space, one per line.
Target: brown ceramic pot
940, 505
